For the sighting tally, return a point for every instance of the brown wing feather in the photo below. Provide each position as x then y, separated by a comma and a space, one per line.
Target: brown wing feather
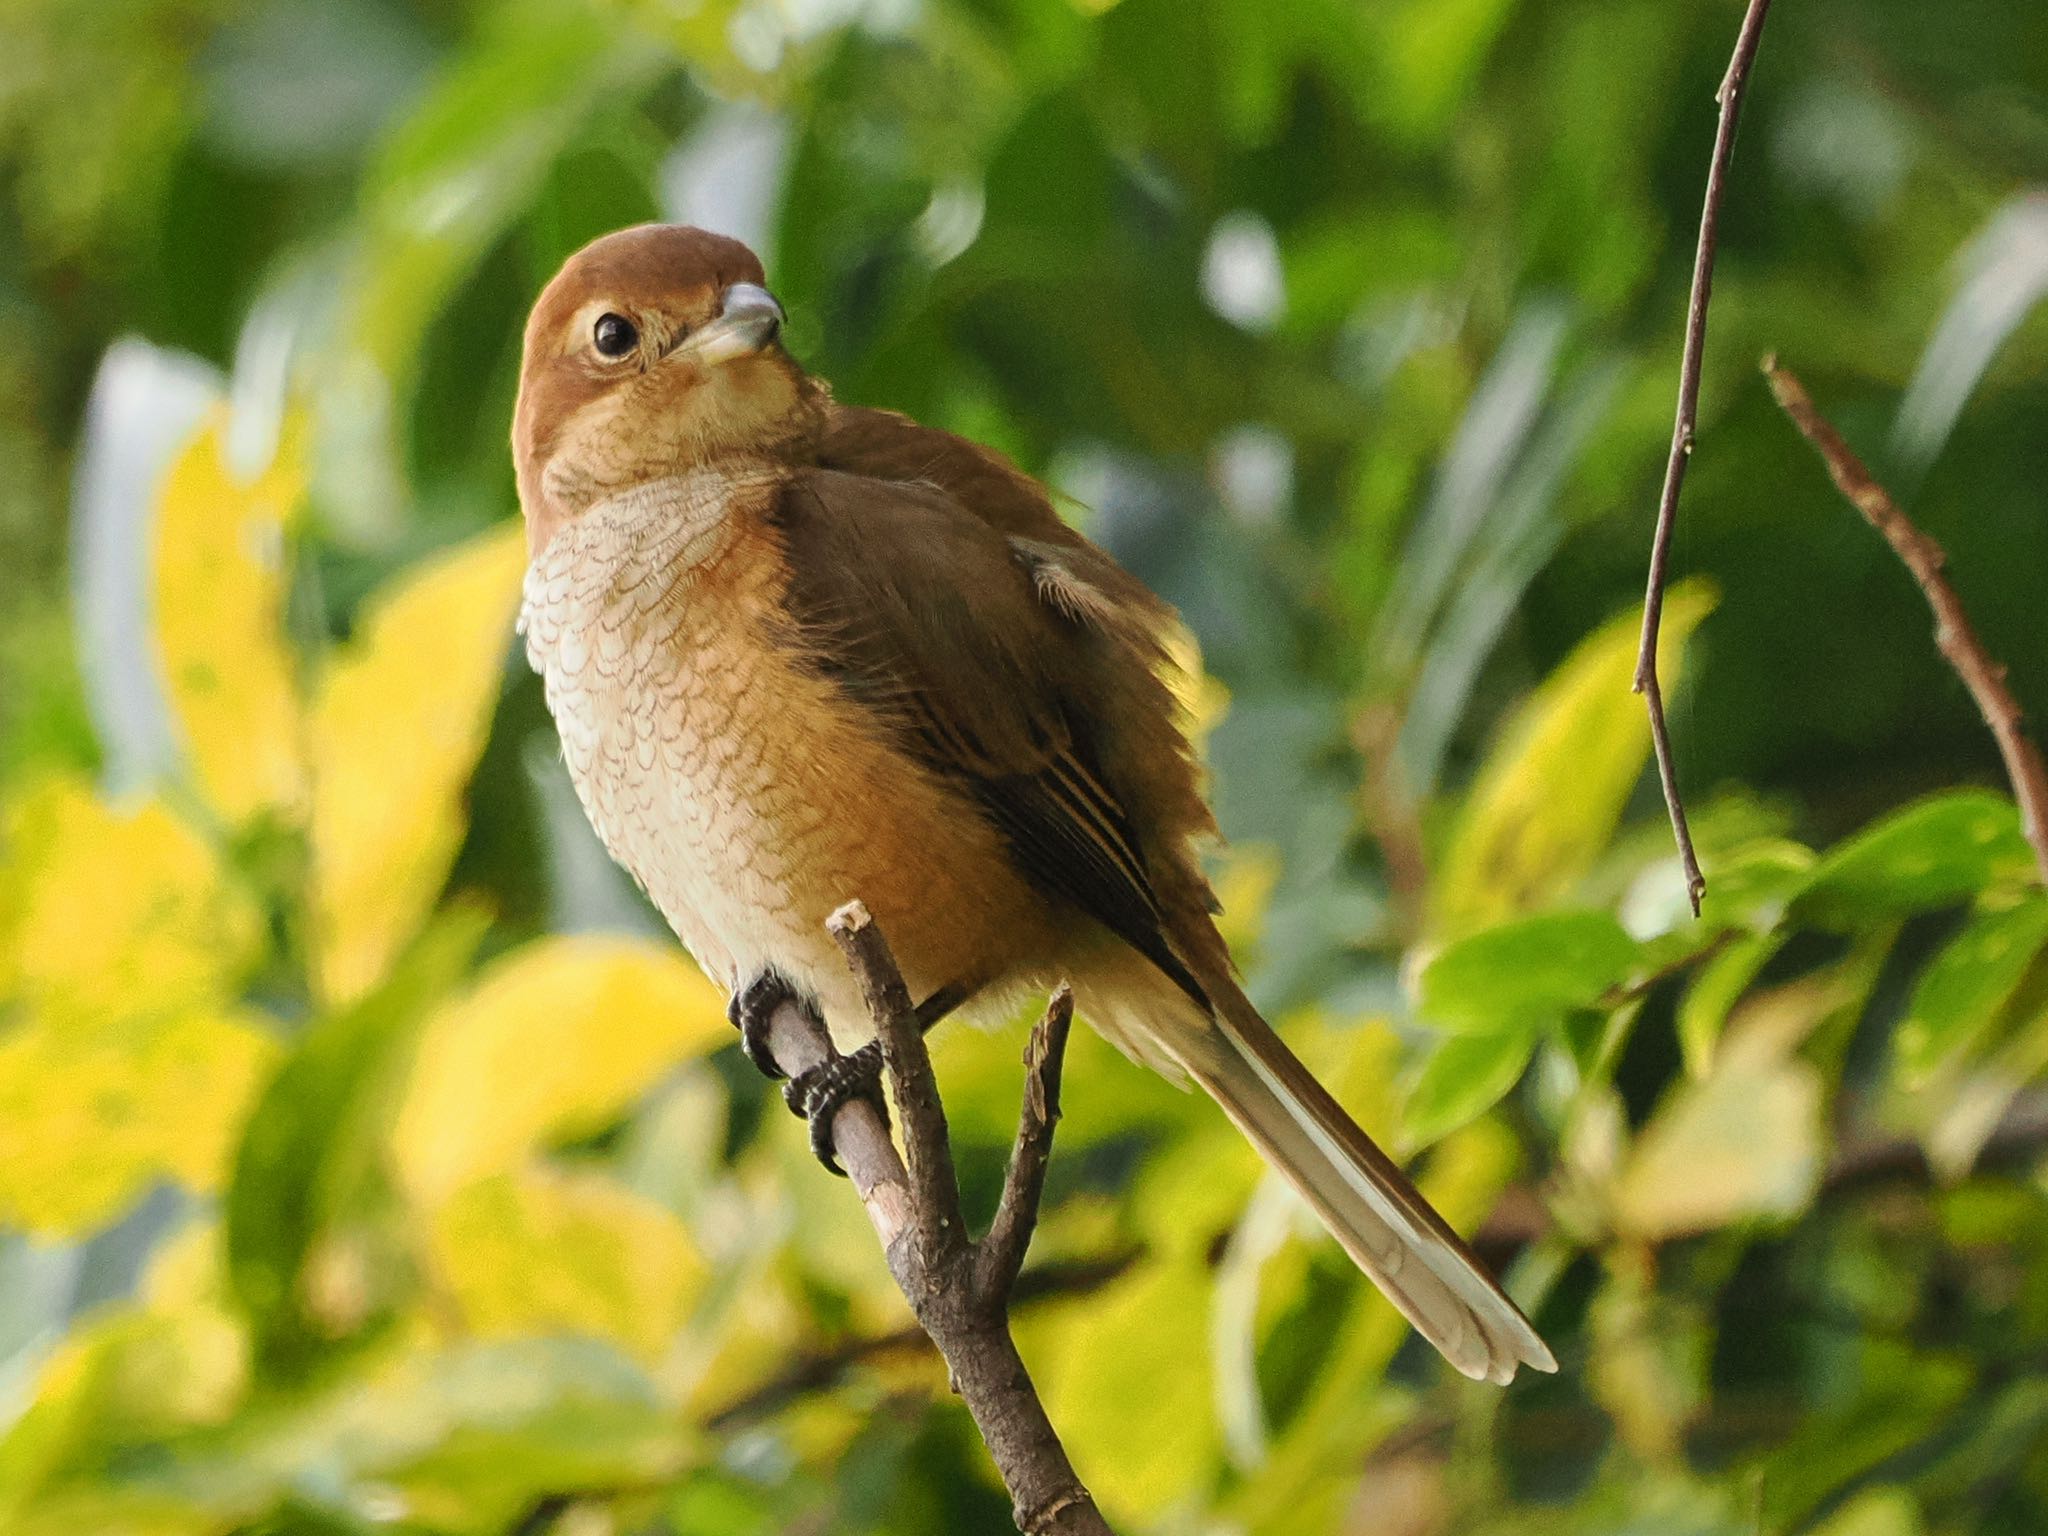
928, 615
887, 445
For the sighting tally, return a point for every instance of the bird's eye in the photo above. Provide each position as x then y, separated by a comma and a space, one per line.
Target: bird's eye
614, 336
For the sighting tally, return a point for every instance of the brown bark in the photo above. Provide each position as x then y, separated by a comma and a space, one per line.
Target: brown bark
1954, 635
958, 1289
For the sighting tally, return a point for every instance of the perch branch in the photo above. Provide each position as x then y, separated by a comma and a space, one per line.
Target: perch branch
1729, 97
1954, 635
1009, 1235
958, 1289
927, 1148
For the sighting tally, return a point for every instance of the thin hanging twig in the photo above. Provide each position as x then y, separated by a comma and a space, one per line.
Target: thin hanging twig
1729, 96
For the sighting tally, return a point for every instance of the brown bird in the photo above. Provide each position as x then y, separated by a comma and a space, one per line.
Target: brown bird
800, 652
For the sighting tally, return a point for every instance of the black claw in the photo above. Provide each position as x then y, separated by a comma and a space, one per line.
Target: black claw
816, 1095
753, 1006
822, 1147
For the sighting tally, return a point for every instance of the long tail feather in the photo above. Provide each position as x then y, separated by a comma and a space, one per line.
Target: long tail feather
1368, 1203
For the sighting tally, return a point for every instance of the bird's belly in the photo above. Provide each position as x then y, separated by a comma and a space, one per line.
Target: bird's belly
750, 799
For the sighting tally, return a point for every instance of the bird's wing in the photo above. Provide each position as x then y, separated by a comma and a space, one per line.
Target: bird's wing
952, 632
887, 445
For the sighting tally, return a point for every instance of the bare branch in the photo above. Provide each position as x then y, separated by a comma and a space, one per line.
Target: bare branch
927, 1150
1954, 635
915, 1211
1009, 1235
1729, 96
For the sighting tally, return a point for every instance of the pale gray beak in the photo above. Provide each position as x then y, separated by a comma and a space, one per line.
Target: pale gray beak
750, 320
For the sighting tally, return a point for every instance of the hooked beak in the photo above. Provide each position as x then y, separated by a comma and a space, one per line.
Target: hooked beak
749, 322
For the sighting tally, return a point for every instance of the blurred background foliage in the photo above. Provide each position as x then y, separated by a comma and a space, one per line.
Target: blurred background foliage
370, 1160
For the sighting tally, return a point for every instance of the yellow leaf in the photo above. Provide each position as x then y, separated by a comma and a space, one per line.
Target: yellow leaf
220, 604
133, 1375
1744, 1143
540, 1251
113, 1510
1882, 1511
554, 1038
103, 910
1130, 1386
756, 1316
401, 716
90, 1116
1548, 799
1649, 1358
1193, 1191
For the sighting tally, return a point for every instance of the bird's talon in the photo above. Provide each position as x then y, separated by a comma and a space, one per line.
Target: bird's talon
823, 1149
818, 1092
752, 1010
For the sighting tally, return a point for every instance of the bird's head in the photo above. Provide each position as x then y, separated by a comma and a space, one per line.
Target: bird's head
653, 352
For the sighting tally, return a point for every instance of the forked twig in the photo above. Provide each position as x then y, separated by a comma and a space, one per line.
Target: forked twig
958, 1289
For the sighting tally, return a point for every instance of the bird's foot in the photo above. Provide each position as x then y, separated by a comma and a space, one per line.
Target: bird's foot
817, 1093
752, 1009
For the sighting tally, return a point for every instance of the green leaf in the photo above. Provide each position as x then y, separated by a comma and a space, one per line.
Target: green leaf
1590, 1037
1714, 992
1941, 851
452, 177
1752, 884
1970, 1103
1886, 1511
1909, 1397
1549, 798
1526, 973
1965, 986
1464, 1077
463, 1439
534, 1419
303, 1259
1649, 1360
1431, 50
1346, 1405
132, 1375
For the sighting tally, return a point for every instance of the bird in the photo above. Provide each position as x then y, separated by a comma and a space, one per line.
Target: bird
800, 652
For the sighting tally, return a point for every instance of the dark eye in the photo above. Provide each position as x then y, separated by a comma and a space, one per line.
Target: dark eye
614, 335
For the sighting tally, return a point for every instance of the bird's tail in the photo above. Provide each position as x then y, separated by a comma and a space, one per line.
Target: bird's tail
1367, 1202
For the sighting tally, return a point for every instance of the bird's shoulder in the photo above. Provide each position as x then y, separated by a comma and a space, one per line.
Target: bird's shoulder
895, 449
936, 506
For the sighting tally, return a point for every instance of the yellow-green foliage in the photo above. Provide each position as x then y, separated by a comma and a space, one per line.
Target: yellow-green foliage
372, 1161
